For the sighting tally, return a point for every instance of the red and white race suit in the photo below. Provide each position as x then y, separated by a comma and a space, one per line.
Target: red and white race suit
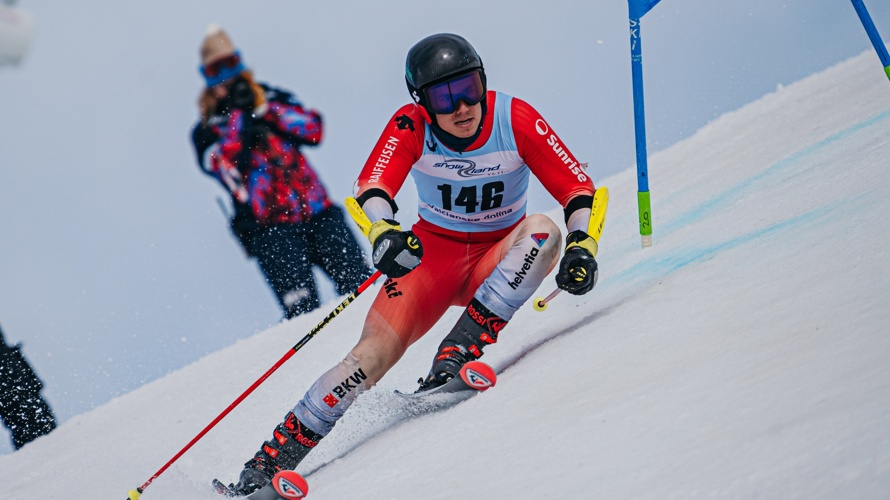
476, 237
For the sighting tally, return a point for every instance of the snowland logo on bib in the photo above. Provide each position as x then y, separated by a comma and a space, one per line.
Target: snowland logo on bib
467, 168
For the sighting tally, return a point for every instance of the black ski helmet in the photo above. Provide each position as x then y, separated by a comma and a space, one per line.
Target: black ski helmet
437, 58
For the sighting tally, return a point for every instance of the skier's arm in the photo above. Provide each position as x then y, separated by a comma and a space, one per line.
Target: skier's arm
564, 178
395, 252
562, 175
398, 148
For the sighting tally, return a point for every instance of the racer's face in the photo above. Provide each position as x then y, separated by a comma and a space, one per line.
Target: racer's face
463, 122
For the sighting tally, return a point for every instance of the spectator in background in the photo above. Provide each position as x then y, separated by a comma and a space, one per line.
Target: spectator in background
249, 139
22, 409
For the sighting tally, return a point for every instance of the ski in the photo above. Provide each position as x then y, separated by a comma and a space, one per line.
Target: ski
475, 376
285, 485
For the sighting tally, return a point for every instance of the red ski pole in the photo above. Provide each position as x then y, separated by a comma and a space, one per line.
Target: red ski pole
134, 494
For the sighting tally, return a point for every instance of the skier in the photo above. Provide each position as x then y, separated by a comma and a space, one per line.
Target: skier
249, 139
23, 411
470, 151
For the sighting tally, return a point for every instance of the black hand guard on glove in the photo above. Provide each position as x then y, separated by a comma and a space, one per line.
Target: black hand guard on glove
396, 252
578, 271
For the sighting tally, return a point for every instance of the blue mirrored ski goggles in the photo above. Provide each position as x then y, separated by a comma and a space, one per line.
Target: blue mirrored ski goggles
444, 98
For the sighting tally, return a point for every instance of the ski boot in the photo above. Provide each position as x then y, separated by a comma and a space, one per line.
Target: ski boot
475, 329
291, 442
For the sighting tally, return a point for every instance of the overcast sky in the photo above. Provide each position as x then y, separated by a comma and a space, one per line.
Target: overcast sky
116, 264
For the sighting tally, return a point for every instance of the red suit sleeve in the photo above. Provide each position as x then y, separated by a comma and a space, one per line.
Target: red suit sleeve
399, 147
547, 156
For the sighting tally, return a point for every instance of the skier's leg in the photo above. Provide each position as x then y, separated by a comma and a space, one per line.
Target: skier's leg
282, 256
405, 309
325, 402
291, 442
510, 273
379, 348
504, 278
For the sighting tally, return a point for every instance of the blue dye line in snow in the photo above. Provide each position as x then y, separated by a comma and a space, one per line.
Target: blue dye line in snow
666, 264
739, 190
677, 260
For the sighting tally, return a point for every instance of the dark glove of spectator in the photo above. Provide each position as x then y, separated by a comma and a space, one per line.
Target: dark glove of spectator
396, 252
244, 225
578, 270
203, 136
241, 95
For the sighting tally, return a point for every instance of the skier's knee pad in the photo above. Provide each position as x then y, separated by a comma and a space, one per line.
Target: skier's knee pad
538, 225
533, 253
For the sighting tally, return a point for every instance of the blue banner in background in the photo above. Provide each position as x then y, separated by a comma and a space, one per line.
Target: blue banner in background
639, 8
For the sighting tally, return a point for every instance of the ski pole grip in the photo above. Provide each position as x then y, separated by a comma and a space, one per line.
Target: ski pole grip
358, 215
598, 214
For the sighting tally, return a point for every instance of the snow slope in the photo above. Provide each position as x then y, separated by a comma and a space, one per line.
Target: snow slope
743, 356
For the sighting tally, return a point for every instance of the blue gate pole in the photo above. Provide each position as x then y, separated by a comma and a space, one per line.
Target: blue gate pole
643, 201
873, 35
636, 10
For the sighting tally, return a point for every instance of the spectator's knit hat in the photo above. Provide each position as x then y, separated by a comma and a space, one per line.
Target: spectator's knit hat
220, 61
